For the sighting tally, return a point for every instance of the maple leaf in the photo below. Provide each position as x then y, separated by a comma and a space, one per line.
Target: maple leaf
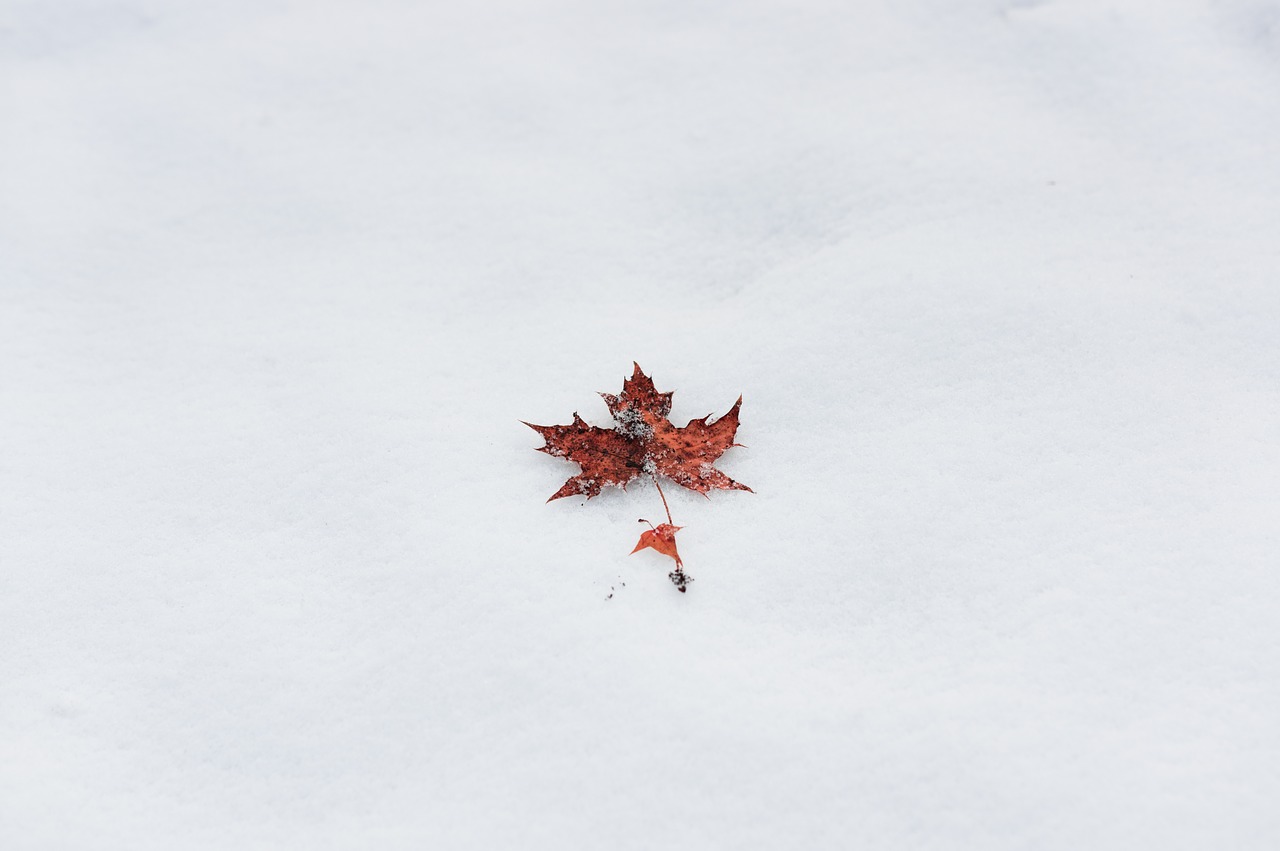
642, 442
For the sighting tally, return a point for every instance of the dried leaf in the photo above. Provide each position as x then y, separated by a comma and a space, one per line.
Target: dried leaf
663, 539
642, 442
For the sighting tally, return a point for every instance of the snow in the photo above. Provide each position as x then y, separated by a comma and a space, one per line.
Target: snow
997, 281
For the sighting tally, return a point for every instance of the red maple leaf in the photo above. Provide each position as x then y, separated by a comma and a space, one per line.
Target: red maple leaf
642, 442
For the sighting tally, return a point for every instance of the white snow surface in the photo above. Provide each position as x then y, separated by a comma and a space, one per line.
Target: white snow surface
997, 280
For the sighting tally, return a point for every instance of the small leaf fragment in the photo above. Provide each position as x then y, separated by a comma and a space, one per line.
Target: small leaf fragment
663, 539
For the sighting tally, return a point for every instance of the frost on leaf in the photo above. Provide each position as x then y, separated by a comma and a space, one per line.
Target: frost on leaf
642, 442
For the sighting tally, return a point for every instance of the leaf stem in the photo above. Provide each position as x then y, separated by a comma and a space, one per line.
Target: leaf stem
664, 500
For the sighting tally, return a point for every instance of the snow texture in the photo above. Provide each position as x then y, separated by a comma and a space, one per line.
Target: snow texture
997, 280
